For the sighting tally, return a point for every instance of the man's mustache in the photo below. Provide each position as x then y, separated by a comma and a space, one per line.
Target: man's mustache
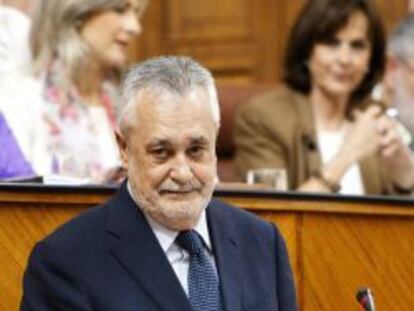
172, 186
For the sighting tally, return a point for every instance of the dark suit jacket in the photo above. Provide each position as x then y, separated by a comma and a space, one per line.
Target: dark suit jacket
109, 259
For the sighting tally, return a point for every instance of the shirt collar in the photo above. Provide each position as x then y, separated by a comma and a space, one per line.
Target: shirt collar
166, 236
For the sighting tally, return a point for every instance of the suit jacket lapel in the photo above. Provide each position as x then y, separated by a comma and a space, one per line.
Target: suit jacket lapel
226, 256
137, 249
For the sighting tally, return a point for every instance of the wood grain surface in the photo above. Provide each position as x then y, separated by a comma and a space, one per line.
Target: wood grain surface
336, 244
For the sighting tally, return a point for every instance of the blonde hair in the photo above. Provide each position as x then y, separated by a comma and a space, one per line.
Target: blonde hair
55, 33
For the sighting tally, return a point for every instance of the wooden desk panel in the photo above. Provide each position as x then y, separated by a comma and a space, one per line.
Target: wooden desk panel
344, 252
336, 245
21, 226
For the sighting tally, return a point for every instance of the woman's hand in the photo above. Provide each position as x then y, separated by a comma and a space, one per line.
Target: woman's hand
370, 133
363, 138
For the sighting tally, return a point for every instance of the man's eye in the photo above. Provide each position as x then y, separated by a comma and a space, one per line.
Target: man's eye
139, 11
121, 9
196, 150
159, 153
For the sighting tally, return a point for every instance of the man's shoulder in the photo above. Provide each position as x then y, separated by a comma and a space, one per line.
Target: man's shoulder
82, 231
247, 230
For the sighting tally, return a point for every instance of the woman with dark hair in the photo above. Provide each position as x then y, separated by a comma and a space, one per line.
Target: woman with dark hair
320, 125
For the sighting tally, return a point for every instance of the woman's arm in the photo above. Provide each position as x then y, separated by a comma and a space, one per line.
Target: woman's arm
361, 140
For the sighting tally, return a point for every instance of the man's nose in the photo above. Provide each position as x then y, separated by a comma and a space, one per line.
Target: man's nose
181, 172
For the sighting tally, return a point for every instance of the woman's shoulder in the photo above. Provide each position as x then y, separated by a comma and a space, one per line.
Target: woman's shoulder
280, 102
280, 92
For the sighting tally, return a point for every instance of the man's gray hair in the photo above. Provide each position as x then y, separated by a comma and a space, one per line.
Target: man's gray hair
176, 75
401, 41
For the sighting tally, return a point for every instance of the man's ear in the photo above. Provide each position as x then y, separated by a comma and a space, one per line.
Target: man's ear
123, 148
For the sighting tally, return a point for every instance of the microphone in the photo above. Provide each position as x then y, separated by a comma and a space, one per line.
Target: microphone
365, 298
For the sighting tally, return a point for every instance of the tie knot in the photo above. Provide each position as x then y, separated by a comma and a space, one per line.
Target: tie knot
190, 241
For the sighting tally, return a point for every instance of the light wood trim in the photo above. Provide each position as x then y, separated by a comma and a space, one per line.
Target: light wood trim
335, 243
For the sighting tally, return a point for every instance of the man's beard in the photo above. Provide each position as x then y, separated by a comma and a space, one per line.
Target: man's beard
177, 215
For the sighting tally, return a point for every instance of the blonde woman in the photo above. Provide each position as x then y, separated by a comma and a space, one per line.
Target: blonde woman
63, 119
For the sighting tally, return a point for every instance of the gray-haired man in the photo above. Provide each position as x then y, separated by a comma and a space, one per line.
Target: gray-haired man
399, 76
162, 243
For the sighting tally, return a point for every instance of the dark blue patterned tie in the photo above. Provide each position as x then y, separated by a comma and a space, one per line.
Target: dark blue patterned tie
203, 285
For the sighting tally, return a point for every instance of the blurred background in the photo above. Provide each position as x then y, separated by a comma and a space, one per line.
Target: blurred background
241, 41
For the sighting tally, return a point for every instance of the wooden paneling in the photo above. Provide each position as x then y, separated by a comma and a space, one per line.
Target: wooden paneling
239, 40
335, 244
24, 219
344, 253
193, 21
21, 227
220, 34
392, 12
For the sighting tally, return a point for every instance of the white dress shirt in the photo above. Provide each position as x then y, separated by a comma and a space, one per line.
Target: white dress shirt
176, 255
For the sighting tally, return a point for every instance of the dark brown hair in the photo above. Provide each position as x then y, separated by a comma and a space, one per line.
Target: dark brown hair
319, 21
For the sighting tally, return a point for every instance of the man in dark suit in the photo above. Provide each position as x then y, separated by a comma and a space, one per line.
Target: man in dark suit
162, 243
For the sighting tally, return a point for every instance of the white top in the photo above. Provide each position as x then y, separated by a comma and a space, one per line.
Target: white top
104, 135
20, 103
176, 255
329, 143
23, 106
14, 41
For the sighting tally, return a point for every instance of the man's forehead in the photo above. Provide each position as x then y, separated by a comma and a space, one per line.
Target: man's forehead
158, 94
174, 139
